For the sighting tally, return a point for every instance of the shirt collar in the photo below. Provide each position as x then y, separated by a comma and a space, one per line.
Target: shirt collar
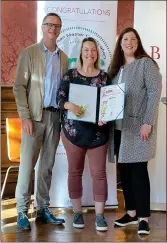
55, 52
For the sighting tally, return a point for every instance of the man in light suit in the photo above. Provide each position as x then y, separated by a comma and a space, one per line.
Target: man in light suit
40, 68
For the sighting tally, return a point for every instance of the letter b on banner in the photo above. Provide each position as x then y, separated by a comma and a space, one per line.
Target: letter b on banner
155, 52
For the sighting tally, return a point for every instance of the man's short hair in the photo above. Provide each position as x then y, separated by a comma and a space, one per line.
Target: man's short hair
51, 14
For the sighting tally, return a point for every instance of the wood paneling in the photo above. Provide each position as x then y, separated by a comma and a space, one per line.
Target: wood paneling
8, 109
13, 174
8, 106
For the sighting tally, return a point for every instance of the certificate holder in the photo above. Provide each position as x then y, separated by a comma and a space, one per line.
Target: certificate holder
111, 106
85, 96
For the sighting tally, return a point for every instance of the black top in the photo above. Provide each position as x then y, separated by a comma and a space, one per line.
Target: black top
79, 133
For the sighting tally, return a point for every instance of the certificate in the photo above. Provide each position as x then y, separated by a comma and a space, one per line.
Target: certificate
111, 102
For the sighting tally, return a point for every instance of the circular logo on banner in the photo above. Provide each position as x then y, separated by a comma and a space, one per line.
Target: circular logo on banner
70, 40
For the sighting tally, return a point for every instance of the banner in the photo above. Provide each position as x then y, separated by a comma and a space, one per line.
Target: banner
79, 20
152, 30
83, 19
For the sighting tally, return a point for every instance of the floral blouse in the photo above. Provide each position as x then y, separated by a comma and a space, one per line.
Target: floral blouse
79, 133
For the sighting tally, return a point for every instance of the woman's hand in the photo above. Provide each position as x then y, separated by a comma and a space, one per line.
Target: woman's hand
145, 131
101, 123
75, 109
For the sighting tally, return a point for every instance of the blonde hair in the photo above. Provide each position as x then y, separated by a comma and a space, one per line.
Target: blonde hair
79, 59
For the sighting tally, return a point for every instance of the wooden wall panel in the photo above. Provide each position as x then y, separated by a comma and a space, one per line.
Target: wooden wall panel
8, 109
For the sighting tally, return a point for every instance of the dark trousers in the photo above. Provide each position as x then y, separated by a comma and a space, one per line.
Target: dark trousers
135, 183
136, 187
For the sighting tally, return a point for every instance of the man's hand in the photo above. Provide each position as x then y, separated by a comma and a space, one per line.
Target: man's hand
145, 131
27, 126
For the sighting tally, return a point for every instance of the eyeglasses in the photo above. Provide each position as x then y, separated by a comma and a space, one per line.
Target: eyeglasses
53, 26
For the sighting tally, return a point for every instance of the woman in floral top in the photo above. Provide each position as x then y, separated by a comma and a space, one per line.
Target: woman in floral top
81, 137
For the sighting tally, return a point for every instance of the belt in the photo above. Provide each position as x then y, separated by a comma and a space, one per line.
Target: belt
51, 108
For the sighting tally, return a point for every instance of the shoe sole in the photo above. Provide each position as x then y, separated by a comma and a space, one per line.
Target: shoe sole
119, 224
40, 220
144, 232
79, 226
54, 223
101, 228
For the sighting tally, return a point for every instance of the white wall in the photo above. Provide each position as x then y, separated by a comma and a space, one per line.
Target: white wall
150, 22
